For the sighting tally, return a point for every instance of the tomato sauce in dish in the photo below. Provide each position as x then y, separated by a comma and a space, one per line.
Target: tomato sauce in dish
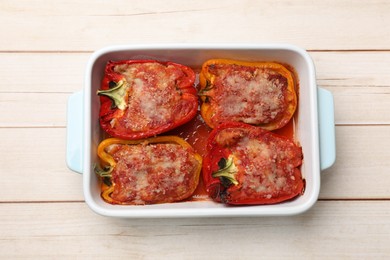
196, 132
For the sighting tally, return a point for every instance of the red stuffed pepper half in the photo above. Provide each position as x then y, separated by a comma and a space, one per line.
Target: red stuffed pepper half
143, 98
247, 165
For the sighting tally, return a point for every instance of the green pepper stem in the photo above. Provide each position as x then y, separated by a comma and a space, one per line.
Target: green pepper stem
207, 88
117, 94
228, 172
104, 173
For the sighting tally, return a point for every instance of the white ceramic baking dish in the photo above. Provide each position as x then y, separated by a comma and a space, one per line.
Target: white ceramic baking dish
314, 129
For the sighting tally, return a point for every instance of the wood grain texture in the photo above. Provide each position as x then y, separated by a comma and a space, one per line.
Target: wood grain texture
33, 109
64, 72
352, 68
42, 72
34, 168
44, 50
353, 230
90, 25
362, 165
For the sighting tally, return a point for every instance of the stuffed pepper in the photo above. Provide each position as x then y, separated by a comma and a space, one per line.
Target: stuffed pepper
247, 165
149, 171
143, 98
256, 93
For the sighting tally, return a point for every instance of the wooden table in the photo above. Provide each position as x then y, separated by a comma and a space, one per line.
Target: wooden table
44, 49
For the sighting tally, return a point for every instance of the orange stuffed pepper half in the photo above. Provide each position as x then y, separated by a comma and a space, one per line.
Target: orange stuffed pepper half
257, 93
149, 171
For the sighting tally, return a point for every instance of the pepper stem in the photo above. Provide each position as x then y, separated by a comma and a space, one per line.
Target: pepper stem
227, 171
208, 87
104, 173
117, 94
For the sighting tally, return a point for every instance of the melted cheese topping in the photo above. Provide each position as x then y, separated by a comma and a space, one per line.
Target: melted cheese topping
154, 173
154, 99
247, 94
267, 165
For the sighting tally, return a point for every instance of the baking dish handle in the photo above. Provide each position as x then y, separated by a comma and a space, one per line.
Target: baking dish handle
74, 142
326, 128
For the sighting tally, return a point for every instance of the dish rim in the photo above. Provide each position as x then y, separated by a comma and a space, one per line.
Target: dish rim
152, 211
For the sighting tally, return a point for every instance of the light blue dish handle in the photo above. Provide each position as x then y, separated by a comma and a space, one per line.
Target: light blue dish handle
326, 128
74, 143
